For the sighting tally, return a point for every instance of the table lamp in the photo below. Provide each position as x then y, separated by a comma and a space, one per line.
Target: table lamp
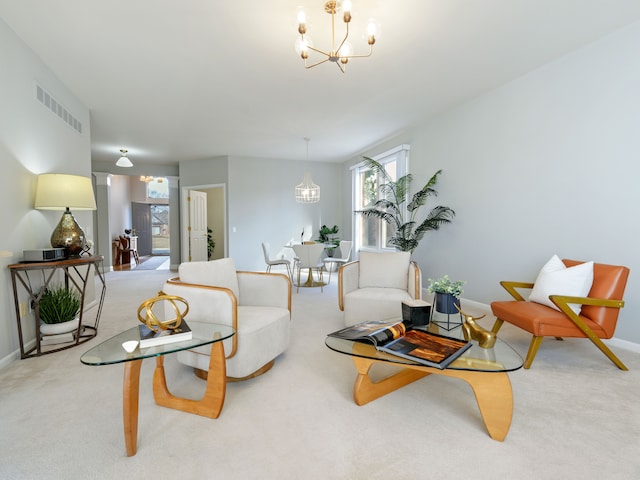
57, 191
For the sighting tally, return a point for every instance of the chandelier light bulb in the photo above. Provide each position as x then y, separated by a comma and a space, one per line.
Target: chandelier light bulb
302, 17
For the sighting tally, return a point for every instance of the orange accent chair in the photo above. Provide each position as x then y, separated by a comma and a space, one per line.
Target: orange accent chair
597, 318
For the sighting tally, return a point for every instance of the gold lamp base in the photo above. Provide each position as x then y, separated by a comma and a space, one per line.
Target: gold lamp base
68, 235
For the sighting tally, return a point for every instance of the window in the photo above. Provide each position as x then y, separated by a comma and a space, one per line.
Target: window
372, 233
158, 187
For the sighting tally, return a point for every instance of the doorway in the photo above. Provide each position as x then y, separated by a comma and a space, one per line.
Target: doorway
215, 221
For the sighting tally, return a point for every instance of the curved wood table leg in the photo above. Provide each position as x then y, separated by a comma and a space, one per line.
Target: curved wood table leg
211, 403
131, 389
492, 390
365, 390
494, 397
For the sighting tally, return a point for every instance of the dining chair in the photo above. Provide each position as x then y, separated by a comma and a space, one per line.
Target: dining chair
345, 251
278, 261
309, 256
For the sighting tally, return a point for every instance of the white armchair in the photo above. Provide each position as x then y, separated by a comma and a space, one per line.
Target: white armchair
256, 304
374, 287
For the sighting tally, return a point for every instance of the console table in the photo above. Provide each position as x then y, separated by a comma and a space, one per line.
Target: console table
75, 274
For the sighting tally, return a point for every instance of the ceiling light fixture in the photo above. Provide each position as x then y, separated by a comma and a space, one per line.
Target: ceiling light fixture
123, 161
149, 179
343, 51
307, 191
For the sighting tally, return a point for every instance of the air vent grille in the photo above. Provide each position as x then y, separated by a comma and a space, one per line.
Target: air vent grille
60, 111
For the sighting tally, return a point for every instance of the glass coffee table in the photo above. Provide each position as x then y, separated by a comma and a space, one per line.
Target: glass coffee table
111, 352
485, 370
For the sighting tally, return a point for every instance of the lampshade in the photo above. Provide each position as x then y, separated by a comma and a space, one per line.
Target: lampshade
57, 191
124, 161
307, 191
62, 192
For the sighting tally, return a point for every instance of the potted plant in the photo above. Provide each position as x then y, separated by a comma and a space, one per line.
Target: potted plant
447, 294
329, 236
211, 243
391, 208
59, 310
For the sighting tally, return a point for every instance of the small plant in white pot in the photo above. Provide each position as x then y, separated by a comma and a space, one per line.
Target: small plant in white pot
59, 310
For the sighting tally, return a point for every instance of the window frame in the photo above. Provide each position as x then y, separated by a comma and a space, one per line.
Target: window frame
398, 155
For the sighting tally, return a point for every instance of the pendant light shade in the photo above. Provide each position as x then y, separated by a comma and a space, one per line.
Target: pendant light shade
307, 191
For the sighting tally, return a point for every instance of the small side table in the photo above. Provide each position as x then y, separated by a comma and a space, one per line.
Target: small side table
74, 274
111, 351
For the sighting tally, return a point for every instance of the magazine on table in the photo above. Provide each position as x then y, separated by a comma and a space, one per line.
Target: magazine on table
151, 338
422, 347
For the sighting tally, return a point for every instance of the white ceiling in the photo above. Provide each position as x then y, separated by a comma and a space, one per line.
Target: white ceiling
179, 80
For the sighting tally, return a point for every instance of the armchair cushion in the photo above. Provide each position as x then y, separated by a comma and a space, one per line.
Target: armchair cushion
388, 270
219, 273
557, 279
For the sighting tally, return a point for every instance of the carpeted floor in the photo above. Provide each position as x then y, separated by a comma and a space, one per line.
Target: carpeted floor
575, 414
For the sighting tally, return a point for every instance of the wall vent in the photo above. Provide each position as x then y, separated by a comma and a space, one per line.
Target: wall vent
54, 106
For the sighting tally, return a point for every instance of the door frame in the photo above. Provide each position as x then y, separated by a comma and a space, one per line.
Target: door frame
184, 217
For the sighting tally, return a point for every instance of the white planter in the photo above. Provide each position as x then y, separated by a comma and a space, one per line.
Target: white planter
59, 328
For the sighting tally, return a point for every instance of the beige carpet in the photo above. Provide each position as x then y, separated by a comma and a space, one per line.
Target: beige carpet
576, 415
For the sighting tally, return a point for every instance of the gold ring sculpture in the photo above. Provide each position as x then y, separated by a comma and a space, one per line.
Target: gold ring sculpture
152, 322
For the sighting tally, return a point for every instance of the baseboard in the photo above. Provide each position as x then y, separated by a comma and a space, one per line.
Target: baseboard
9, 359
477, 308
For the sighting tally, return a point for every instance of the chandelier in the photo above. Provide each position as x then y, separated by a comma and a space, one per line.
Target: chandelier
149, 179
341, 51
307, 191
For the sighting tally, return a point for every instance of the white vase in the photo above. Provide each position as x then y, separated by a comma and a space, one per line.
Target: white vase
59, 328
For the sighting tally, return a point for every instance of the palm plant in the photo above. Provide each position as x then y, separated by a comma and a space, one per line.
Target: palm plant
390, 208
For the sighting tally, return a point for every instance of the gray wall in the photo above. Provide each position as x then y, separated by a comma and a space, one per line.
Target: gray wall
545, 164
33, 140
261, 204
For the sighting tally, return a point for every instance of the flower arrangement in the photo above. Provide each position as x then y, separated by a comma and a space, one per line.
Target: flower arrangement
446, 285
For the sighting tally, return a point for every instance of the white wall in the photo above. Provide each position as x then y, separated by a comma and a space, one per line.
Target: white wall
262, 206
32, 141
548, 163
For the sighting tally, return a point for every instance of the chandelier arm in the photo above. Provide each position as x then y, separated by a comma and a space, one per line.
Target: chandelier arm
318, 51
346, 35
361, 56
315, 64
341, 66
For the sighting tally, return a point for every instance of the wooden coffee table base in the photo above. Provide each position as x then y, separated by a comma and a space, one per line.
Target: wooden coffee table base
209, 406
492, 390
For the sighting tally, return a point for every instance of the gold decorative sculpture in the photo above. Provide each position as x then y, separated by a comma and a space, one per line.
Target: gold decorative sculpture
472, 331
152, 322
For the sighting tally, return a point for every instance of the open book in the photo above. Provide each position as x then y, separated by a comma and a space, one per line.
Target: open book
420, 346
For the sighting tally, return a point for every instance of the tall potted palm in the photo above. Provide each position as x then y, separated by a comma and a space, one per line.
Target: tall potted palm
391, 208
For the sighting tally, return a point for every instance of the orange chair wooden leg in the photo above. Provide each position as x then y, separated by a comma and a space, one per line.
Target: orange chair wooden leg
497, 325
533, 349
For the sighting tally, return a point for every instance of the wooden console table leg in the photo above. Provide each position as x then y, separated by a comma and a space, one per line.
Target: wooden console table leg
211, 403
365, 390
130, 395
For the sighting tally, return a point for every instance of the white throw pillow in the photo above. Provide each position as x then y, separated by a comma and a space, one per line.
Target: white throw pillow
216, 273
384, 270
556, 279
